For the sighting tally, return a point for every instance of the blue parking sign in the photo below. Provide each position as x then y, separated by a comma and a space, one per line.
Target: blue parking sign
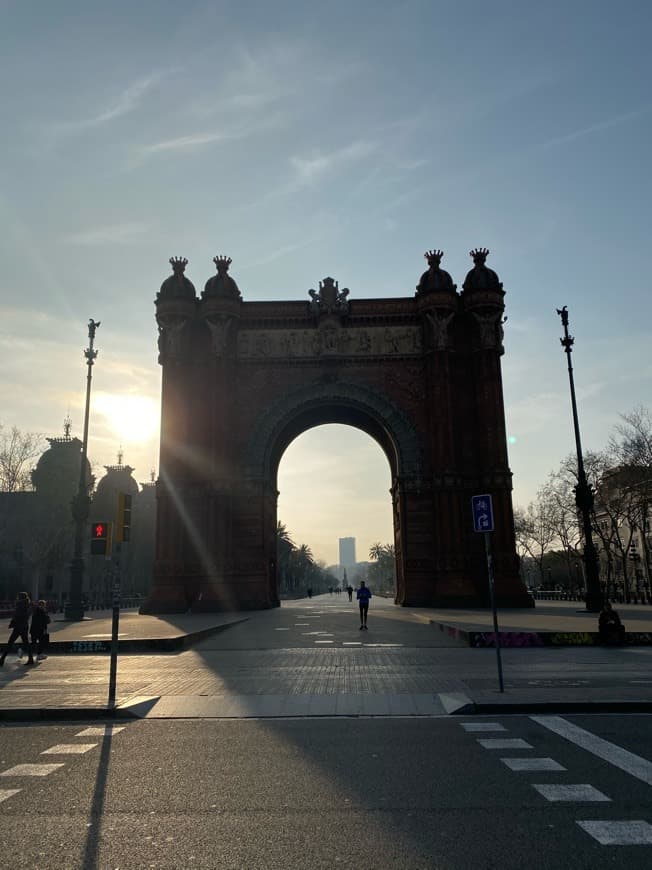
483, 513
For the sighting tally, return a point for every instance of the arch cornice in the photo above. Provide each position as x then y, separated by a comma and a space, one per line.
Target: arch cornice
276, 427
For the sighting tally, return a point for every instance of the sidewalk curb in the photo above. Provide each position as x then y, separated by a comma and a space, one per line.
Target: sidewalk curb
506, 708
50, 714
526, 638
135, 645
132, 710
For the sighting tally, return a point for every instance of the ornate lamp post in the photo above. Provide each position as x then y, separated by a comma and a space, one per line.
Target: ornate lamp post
74, 606
583, 492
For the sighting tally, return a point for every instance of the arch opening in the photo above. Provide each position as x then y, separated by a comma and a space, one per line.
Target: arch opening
334, 507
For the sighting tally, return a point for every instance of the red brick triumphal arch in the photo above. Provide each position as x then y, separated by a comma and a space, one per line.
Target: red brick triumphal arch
421, 375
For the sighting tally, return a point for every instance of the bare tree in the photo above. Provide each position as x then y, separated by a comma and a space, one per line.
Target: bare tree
535, 530
17, 450
631, 449
559, 494
632, 442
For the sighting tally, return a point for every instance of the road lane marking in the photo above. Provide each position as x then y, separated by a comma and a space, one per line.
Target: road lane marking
633, 764
31, 769
532, 764
483, 726
101, 730
69, 749
6, 793
384, 644
581, 792
509, 743
627, 833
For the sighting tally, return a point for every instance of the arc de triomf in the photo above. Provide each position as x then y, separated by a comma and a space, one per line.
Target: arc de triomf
421, 375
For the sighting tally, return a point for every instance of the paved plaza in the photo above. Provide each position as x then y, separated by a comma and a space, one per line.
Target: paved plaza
309, 658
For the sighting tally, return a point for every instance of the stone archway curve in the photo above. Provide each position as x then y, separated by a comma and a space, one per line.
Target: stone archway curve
353, 404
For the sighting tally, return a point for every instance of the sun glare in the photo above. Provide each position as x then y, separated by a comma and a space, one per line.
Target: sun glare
132, 419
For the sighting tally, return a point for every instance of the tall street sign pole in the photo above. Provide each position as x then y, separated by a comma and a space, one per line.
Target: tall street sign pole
80, 506
583, 492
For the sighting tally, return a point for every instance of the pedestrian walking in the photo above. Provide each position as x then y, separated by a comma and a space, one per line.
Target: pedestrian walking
363, 595
19, 626
39, 630
349, 589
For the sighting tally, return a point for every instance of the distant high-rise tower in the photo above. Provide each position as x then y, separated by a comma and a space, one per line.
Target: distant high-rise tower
347, 552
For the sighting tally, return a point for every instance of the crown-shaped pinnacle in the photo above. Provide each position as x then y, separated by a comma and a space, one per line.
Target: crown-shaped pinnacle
222, 263
178, 264
433, 257
479, 255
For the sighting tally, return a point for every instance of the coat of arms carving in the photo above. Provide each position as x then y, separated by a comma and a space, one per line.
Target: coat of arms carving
330, 299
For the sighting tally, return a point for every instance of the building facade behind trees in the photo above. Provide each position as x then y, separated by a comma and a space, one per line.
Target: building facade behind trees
37, 529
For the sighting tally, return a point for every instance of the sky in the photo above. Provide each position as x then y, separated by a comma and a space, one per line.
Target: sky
310, 139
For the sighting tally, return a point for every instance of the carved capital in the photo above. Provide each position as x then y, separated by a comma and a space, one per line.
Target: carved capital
491, 330
220, 330
170, 336
439, 323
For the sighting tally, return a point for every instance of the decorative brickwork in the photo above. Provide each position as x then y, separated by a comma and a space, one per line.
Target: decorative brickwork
241, 380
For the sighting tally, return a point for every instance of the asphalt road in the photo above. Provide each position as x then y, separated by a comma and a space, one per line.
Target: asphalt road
329, 793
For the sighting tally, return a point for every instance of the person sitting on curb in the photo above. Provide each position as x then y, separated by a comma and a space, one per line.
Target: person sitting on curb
612, 631
19, 626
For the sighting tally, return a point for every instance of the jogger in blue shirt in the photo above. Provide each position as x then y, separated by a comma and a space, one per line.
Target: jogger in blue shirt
363, 595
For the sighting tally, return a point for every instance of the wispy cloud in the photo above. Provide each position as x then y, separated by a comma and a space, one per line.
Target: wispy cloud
184, 143
312, 168
124, 103
128, 100
114, 234
597, 127
280, 252
194, 141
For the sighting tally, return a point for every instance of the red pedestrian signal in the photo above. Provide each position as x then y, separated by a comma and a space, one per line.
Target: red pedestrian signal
100, 539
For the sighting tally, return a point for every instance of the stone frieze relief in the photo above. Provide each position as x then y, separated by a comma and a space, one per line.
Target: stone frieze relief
330, 341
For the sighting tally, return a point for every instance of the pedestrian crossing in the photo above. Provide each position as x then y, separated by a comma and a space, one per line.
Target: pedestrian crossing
616, 832
42, 769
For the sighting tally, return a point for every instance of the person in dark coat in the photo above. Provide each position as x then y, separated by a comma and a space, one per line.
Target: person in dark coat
39, 629
612, 631
19, 626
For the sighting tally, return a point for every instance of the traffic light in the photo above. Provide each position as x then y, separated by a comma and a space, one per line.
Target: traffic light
123, 532
100, 539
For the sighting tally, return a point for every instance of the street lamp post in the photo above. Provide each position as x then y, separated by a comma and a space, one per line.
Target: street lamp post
583, 492
74, 606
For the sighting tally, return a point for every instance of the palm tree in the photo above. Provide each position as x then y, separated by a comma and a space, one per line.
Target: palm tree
304, 561
284, 547
376, 551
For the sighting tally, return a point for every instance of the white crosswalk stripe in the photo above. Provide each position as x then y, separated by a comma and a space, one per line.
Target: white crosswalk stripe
483, 726
578, 792
69, 749
635, 832
633, 764
101, 731
504, 743
31, 769
522, 764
